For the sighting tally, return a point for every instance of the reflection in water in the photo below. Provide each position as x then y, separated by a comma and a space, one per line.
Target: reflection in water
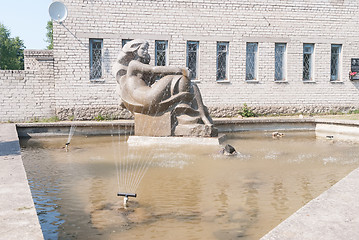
306, 189
222, 199
252, 201
189, 192
47, 207
280, 200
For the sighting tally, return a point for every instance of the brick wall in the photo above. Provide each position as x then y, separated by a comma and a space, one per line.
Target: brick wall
71, 93
28, 94
208, 21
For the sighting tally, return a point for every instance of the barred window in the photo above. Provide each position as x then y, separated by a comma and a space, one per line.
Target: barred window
251, 61
222, 60
308, 61
280, 61
124, 41
161, 53
335, 62
192, 58
96, 58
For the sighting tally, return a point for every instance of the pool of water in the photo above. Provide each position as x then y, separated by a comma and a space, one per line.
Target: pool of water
188, 192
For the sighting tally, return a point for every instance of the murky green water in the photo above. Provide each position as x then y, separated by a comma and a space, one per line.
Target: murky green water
188, 192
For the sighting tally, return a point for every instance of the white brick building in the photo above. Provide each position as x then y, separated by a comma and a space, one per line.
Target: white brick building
275, 56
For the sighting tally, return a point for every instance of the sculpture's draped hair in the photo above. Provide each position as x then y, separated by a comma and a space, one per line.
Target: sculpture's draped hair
126, 55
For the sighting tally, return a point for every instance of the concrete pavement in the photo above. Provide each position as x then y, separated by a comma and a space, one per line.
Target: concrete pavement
18, 219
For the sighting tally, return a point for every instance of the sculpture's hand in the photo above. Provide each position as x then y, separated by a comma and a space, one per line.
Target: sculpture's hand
187, 73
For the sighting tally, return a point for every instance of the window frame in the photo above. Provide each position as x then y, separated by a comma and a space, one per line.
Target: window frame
165, 51
283, 61
226, 75
91, 41
196, 76
255, 61
338, 64
311, 62
125, 40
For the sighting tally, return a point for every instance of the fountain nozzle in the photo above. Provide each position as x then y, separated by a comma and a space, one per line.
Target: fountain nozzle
126, 195
67, 146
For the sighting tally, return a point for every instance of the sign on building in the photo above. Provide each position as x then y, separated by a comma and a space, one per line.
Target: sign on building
354, 69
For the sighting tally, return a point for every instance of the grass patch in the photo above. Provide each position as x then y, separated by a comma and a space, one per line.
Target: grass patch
50, 119
100, 117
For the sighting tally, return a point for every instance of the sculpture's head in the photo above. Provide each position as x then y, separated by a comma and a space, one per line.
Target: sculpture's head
139, 49
133, 50
142, 53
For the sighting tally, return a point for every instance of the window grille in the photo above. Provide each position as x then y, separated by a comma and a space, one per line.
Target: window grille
222, 60
308, 52
96, 58
192, 57
124, 41
251, 61
335, 62
161, 53
280, 61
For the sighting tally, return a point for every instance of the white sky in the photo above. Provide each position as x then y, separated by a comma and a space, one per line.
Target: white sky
27, 20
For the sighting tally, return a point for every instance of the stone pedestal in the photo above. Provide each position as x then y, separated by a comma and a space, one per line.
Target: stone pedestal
198, 141
196, 130
155, 126
166, 125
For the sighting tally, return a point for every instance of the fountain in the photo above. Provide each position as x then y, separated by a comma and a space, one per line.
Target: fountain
190, 190
163, 100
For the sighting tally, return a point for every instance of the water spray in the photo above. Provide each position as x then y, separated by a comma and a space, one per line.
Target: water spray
71, 133
126, 195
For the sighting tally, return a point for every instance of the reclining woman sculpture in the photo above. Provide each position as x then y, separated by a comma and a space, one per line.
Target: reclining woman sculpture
154, 90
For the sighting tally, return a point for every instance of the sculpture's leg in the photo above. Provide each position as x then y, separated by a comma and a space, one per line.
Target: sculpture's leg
180, 84
184, 84
157, 92
201, 108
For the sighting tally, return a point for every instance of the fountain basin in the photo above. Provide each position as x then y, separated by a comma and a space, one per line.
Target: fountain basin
193, 190
236, 125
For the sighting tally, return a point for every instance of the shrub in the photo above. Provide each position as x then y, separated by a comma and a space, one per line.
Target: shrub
356, 111
246, 111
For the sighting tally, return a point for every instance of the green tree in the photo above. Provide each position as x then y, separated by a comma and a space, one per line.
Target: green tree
11, 51
49, 35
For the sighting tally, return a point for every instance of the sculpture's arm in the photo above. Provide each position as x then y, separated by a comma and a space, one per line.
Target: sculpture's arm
171, 70
136, 66
166, 70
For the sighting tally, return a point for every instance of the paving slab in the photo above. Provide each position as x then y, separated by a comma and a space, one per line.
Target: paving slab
18, 218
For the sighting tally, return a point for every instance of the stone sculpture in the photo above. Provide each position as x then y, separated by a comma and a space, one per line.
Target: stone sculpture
163, 99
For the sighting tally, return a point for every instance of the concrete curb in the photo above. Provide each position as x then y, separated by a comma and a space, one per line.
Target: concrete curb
18, 218
224, 125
